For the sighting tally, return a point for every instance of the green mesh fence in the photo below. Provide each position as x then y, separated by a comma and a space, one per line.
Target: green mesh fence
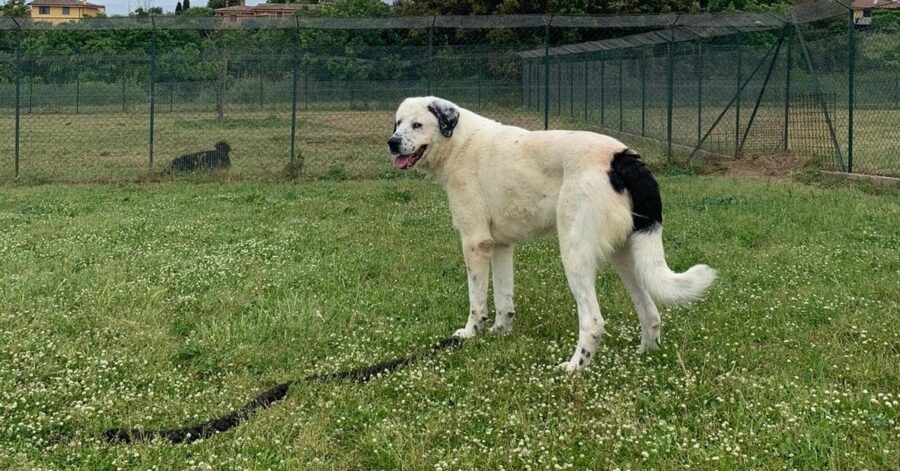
314, 97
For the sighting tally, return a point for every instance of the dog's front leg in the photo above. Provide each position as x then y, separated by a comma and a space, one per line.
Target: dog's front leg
477, 252
502, 270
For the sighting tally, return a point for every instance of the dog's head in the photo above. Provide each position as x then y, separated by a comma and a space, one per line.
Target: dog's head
421, 125
223, 147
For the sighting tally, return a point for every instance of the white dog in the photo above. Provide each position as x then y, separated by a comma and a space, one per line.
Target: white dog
507, 185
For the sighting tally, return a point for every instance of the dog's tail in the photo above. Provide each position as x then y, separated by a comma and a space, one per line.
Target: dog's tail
664, 285
628, 172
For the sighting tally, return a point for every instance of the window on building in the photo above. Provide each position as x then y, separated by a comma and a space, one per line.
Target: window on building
66, 10
43, 10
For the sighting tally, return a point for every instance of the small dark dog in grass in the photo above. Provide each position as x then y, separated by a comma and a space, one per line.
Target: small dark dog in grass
206, 160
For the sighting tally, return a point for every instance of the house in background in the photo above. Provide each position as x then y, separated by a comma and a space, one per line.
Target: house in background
235, 14
862, 9
60, 11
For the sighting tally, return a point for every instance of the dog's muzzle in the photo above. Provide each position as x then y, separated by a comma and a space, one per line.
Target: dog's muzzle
405, 161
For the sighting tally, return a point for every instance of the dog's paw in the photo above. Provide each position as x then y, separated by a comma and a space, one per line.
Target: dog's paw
570, 366
647, 347
649, 344
465, 333
500, 329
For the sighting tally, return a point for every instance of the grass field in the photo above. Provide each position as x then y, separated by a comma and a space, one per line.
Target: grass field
160, 305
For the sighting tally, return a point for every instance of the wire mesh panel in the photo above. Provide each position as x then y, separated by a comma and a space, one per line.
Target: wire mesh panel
239, 99
346, 104
84, 118
7, 104
486, 80
877, 108
823, 72
315, 96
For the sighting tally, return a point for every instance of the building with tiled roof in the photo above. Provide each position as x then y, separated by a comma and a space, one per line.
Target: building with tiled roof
60, 11
862, 9
235, 14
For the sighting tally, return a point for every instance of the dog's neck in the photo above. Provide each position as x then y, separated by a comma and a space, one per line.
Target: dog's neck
442, 160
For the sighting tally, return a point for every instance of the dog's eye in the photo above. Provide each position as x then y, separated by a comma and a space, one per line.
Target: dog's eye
417, 125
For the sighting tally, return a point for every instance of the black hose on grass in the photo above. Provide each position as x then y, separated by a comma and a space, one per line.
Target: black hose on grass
267, 398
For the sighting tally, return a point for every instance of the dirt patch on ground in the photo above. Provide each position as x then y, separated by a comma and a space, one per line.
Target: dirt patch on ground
777, 167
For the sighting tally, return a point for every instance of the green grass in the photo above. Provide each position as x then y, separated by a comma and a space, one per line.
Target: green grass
157, 306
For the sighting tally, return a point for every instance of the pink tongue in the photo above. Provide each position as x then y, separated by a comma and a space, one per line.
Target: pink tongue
404, 161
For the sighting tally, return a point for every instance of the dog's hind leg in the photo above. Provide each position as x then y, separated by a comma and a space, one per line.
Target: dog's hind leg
579, 224
592, 222
581, 261
502, 268
646, 310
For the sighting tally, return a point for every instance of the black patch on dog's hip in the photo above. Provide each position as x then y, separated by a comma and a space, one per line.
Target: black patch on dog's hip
628, 172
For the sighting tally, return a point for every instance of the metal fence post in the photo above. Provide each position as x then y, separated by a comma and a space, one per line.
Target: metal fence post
77, 88
787, 87
124, 71
585, 90
559, 88
670, 98
851, 88
643, 93
152, 88
547, 74
262, 91
430, 53
18, 93
699, 90
737, 104
526, 86
306, 89
478, 92
294, 73
172, 84
572, 89
602, 90
620, 92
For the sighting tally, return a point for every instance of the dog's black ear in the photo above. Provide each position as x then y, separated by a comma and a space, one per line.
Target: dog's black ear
447, 115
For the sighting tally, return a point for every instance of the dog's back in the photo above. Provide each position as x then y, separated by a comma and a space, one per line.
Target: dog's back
206, 160
184, 163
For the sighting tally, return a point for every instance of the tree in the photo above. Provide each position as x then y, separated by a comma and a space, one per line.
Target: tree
187, 4
199, 11
178, 8
222, 3
152, 11
14, 9
145, 5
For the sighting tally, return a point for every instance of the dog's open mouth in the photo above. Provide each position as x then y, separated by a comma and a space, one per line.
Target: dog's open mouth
403, 162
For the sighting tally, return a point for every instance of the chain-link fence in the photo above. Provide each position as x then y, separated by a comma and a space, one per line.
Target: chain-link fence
121, 99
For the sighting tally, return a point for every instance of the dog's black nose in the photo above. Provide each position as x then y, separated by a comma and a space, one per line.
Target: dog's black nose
394, 144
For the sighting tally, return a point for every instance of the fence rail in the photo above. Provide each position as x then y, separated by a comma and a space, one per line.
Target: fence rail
314, 96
